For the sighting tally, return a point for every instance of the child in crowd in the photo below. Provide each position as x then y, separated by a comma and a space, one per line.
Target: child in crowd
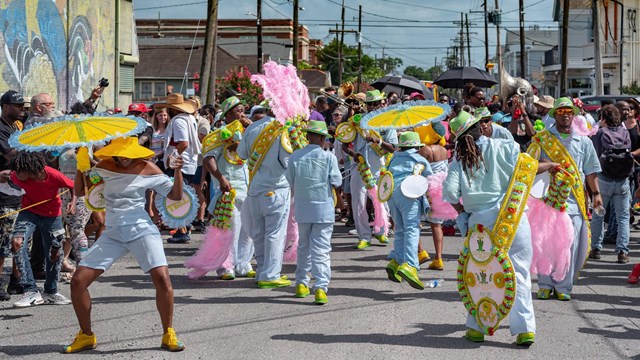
42, 209
406, 211
311, 173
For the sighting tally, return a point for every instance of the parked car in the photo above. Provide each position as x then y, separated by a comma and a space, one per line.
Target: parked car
592, 102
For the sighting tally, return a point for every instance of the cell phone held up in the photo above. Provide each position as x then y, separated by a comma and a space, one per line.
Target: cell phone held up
104, 82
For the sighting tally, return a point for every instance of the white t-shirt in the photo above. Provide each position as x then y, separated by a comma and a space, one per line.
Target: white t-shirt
183, 127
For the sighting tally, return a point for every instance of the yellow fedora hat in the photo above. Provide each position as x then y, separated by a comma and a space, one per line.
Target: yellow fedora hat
127, 147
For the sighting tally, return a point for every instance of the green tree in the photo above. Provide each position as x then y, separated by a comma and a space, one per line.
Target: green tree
238, 82
389, 64
415, 71
633, 89
371, 70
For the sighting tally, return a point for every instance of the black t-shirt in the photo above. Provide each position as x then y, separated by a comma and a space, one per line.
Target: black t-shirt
5, 132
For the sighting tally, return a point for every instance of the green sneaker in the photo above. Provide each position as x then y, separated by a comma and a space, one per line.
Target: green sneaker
382, 238
526, 339
563, 296
410, 274
282, 282
321, 297
474, 335
362, 244
392, 271
227, 276
544, 294
302, 291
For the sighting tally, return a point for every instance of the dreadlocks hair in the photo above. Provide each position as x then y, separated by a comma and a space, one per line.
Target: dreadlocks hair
468, 153
29, 162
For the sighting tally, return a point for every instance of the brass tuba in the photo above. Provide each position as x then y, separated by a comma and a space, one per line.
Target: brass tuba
510, 86
345, 90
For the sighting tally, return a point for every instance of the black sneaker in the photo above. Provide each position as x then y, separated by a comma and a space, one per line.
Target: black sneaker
14, 287
623, 258
594, 254
4, 295
179, 239
199, 225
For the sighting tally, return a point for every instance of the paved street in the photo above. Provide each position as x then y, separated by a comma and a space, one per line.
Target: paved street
368, 317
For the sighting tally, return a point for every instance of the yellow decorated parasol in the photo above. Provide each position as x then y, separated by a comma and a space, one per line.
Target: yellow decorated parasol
406, 115
76, 131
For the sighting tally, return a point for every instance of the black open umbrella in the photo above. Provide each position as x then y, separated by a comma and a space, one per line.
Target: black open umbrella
457, 77
401, 84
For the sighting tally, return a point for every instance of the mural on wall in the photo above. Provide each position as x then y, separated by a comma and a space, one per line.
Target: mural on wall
59, 47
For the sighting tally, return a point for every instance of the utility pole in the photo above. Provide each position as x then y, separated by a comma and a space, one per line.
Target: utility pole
295, 33
597, 55
359, 48
208, 67
259, 29
466, 21
461, 39
486, 37
565, 39
339, 55
497, 19
523, 65
340, 60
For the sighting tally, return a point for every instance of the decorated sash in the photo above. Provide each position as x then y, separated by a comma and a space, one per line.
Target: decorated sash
263, 142
486, 277
224, 137
346, 133
215, 251
544, 140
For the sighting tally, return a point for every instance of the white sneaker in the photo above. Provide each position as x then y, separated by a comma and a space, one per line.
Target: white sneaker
353, 232
56, 299
29, 299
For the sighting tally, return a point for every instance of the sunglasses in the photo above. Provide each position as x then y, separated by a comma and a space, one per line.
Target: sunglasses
485, 121
564, 111
336, 115
479, 98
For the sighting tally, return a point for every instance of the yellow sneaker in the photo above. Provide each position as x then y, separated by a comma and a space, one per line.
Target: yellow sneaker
80, 343
423, 257
321, 297
526, 339
302, 291
474, 335
170, 341
392, 271
382, 238
410, 275
437, 264
227, 276
282, 282
362, 244
251, 274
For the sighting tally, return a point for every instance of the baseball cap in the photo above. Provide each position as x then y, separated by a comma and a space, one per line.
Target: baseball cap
11, 97
138, 107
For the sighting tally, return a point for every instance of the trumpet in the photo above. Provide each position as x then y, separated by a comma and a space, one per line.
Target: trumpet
334, 97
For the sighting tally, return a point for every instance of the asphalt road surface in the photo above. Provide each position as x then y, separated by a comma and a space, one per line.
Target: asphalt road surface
367, 317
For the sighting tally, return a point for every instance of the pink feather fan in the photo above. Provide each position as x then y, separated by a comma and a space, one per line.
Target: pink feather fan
288, 96
214, 253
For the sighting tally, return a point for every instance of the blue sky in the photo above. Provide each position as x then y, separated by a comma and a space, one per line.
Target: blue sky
417, 31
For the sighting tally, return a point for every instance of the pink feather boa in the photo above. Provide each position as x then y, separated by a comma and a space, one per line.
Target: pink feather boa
440, 209
214, 253
579, 125
381, 215
291, 245
551, 239
288, 96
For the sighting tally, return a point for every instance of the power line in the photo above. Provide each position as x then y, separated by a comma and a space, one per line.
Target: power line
169, 6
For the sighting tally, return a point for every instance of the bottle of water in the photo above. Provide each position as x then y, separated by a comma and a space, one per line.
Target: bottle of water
434, 283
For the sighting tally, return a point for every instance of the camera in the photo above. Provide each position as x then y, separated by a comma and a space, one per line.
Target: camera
103, 83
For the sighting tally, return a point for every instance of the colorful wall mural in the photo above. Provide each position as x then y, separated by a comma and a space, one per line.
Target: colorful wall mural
61, 47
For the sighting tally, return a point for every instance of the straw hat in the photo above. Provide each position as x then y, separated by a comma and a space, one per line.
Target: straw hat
564, 102
409, 139
374, 95
127, 147
317, 127
177, 102
229, 104
545, 101
461, 123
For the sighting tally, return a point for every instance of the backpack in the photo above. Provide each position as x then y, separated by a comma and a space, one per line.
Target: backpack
616, 160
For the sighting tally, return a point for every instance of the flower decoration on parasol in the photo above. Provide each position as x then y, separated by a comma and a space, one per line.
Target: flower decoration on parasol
76, 131
406, 115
